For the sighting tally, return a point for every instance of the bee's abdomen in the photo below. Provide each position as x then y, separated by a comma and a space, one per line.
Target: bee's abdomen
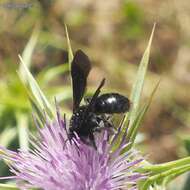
111, 103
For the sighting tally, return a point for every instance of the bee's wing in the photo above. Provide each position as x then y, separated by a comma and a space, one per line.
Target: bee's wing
80, 68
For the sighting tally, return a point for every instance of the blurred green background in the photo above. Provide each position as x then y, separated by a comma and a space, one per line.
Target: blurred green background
114, 35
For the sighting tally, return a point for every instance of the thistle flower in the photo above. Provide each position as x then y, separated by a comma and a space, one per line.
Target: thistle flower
54, 163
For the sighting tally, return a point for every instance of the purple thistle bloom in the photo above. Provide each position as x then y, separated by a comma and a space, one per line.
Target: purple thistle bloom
55, 163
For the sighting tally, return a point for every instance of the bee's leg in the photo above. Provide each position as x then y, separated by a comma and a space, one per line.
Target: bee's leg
109, 129
98, 129
102, 124
107, 125
84, 140
92, 140
107, 117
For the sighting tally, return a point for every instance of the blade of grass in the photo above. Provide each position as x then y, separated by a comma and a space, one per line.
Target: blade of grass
35, 90
138, 120
70, 52
8, 187
28, 51
22, 125
131, 134
138, 85
27, 57
39, 113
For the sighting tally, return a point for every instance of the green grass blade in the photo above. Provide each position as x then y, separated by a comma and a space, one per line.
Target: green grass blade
139, 117
138, 85
23, 124
70, 52
27, 57
39, 113
34, 89
8, 187
28, 51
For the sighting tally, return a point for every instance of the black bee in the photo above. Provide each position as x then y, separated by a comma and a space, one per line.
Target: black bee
90, 118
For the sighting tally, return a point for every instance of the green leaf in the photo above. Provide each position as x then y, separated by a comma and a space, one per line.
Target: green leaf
22, 125
159, 178
179, 172
29, 82
12, 187
164, 173
8, 187
157, 168
28, 51
70, 52
39, 113
138, 85
139, 117
35, 91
